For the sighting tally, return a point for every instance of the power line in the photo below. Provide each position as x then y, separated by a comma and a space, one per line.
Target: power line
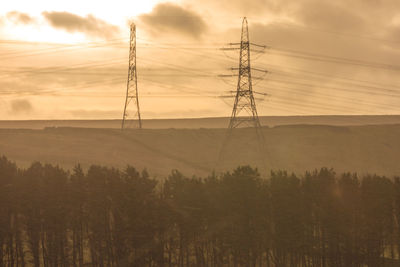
332, 59
46, 51
342, 34
327, 75
324, 99
307, 84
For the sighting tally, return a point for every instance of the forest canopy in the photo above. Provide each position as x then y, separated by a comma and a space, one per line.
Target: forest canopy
109, 217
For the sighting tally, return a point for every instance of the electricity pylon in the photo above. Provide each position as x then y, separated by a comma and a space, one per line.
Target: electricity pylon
244, 99
244, 113
131, 117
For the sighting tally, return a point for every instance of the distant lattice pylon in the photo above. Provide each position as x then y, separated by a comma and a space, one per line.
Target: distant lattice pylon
131, 117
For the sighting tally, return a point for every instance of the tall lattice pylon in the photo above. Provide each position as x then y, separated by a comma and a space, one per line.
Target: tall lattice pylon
244, 99
244, 113
131, 117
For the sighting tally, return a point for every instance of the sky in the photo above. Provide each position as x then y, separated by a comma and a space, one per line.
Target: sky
69, 59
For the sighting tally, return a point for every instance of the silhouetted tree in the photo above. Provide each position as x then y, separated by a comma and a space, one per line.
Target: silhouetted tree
107, 217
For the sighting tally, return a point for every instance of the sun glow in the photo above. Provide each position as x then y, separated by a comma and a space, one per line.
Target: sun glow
117, 12
42, 34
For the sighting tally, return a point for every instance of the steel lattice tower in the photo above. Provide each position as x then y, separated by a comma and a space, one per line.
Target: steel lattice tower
244, 111
131, 117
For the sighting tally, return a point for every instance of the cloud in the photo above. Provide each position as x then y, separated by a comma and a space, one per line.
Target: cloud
392, 36
171, 17
328, 15
307, 40
21, 106
235, 9
89, 25
339, 15
395, 33
20, 18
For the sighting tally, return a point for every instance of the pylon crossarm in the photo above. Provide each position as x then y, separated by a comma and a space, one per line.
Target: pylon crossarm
262, 46
261, 70
257, 78
258, 45
230, 48
261, 93
227, 75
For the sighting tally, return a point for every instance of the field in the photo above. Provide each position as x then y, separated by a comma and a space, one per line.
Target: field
295, 148
218, 122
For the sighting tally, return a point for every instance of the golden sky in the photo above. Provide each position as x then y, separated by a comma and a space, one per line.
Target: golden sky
69, 59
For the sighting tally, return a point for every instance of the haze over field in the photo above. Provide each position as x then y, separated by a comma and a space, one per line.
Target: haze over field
195, 123
362, 149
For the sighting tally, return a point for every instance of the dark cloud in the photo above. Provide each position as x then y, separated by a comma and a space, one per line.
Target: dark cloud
21, 106
20, 18
330, 15
342, 15
392, 36
395, 33
170, 17
310, 40
89, 25
368, 16
249, 8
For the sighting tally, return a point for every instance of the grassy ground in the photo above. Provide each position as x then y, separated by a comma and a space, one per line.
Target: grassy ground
372, 149
196, 123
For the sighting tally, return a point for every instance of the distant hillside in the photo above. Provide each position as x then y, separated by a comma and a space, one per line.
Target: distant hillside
196, 123
374, 148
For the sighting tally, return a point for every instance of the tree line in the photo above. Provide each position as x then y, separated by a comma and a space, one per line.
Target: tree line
108, 217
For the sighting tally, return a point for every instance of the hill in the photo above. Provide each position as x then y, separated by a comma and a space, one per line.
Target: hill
363, 149
196, 123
